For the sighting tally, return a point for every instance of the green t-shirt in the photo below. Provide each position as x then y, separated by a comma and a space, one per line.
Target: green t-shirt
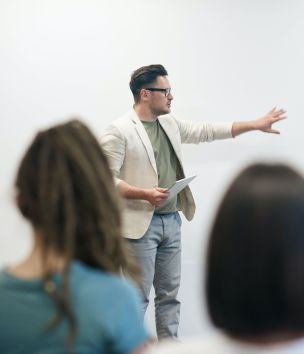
166, 162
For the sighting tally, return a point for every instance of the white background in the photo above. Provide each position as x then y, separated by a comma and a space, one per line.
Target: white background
227, 60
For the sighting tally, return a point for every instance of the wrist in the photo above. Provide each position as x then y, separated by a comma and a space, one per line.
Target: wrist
144, 194
254, 124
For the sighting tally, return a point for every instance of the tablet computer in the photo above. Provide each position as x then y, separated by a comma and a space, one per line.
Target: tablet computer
179, 186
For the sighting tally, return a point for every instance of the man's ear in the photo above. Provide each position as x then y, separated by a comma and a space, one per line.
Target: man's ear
143, 94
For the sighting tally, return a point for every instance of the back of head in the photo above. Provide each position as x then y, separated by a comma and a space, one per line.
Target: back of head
145, 76
255, 262
65, 189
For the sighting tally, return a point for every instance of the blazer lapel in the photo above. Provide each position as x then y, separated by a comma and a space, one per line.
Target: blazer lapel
141, 131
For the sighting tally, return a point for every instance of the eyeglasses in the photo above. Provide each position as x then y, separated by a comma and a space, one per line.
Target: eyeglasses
166, 91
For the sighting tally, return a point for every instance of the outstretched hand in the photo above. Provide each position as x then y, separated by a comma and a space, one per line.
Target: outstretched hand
264, 124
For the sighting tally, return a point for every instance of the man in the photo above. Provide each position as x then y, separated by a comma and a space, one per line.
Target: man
144, 152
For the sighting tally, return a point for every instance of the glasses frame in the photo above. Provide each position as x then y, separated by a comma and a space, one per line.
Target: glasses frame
166, 91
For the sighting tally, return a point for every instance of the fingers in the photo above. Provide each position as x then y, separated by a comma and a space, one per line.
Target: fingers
273, 131
277, 115
161, 197
160, 200
162, 190
162, 194
277, 118
277, 112
280, 118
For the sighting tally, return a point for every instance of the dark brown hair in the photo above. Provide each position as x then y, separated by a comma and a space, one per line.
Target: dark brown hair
255, 262
144, 76
65, 189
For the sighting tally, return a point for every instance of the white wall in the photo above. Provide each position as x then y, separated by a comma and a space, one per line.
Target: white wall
227, 60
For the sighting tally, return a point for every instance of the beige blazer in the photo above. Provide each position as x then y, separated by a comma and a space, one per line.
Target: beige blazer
131, 159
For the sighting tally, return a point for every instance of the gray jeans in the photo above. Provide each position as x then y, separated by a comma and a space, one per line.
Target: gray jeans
158, 254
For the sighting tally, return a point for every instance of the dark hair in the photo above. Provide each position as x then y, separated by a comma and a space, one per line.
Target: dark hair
255, 261
145, 76
66, 190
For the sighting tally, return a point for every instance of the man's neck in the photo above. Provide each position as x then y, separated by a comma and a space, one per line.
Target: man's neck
144, 113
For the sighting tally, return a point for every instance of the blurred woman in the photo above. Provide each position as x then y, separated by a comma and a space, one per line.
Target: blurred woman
67, 295
255, 267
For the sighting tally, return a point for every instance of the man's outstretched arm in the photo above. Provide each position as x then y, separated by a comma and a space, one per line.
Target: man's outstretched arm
263, 124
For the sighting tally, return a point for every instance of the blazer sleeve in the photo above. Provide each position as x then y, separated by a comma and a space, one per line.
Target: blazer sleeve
198, 132
113, 145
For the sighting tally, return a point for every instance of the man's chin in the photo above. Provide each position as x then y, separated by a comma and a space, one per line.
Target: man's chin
166, 111
163, 112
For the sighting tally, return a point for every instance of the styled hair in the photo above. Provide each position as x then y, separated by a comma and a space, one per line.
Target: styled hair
144, 76
255, 259
66, 190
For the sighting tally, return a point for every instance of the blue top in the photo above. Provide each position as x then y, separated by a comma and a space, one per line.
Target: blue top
106, 307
